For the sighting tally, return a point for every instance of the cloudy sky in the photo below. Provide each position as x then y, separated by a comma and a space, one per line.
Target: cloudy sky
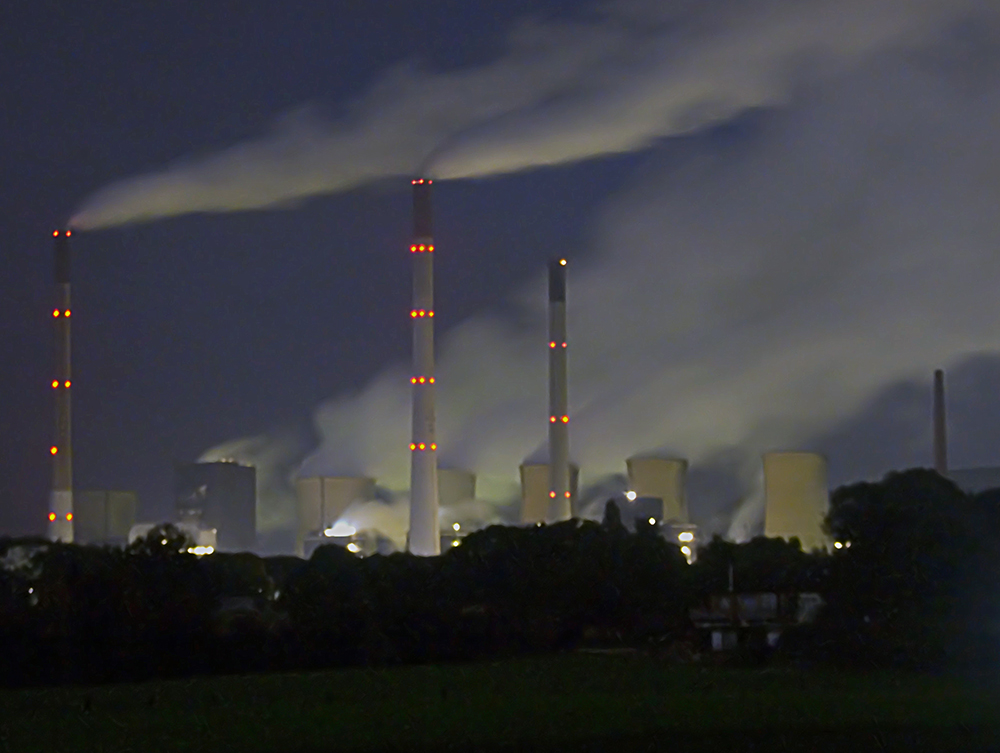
780, 217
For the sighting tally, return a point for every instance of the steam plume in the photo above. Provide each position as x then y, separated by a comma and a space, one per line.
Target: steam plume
616, 82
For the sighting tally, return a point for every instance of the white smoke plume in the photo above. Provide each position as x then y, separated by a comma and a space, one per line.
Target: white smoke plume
617, 81
749, 297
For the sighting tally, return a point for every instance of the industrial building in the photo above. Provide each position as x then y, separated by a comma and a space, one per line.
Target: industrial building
796, 497
220, 496
321, 501
103, 516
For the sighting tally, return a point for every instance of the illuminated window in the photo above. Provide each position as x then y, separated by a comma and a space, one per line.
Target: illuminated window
54, 450
52, 517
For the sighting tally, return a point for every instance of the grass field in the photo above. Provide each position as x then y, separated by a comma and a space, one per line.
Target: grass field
567, 702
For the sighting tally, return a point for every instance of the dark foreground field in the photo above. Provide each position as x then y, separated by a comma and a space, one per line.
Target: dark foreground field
568, 702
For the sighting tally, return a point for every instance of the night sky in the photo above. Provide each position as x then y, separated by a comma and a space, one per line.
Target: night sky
775, 258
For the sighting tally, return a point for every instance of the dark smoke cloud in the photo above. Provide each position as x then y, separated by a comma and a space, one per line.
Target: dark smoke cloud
616, 82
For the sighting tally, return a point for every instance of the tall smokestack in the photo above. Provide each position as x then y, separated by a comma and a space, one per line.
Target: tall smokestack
560, 494
61, 497
940, 425
424, 538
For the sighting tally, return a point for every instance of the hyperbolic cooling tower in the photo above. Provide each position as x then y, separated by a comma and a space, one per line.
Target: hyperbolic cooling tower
60, 513
322, 500
940, 425
662, 478
560, 491
535, 500
797, 497
423, 538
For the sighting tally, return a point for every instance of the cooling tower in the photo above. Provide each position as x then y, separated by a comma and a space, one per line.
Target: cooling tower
560, 492
940, 425
423, 538
60, 514
455, 486
322, 500
535, 500
796, 497
663, 479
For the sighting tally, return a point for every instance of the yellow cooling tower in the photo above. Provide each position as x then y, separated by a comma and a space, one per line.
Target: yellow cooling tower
797, 497
662, 478
535, 501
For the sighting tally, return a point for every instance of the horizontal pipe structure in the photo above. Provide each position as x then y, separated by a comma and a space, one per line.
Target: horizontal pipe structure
560, 492
424, 537
60, 513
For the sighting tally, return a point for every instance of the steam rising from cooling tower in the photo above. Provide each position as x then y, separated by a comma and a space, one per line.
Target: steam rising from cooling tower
726, 299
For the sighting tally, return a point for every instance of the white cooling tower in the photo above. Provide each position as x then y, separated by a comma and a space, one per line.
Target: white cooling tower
323, 499
535, 491
797, 497
455, 486
663, 479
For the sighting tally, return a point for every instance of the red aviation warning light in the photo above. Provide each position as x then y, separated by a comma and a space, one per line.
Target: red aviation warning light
565, 419
413, 447
66, 313
434, 446
56, 313
567, 495
53, 450
67, 383
69, 516
552, 419
52, 517
552, 494
55, 384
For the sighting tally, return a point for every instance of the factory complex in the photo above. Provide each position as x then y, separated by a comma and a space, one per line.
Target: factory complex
216, 502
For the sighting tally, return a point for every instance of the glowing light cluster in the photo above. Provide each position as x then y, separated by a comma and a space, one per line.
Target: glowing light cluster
420, 249
556, 419
422, 446
419, 181
685, 536
420, 313
55, 384
55, 233
56, 313
421, 380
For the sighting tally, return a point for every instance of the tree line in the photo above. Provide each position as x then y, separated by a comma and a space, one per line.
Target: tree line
917, 586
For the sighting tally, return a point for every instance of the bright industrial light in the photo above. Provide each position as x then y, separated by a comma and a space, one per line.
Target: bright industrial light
455, 542
686, 551
353, 548
341, 528
685, 536
456, 527
630, 495
838, 545
562, 262
200, 550
652, 521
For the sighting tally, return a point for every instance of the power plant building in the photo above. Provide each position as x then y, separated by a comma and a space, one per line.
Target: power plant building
797, 497
220, 495
103, 516
322, 500
662, 479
